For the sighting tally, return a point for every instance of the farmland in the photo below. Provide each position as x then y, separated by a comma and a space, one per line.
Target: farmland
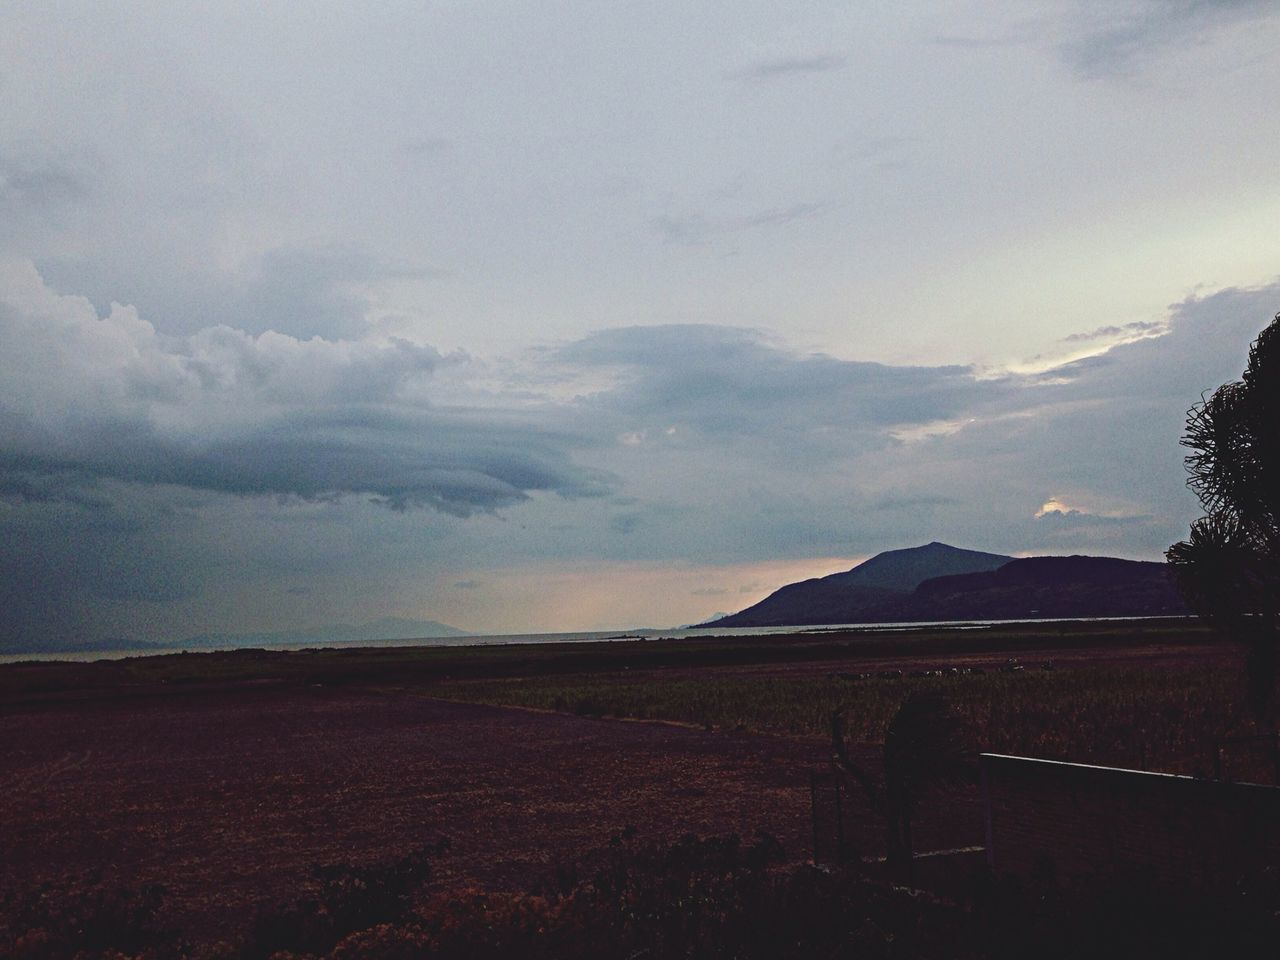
226, 778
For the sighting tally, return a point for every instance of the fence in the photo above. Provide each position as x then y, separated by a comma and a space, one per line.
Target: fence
1070, 821
828, 802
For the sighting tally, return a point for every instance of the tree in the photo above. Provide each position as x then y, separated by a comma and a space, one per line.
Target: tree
1228, 568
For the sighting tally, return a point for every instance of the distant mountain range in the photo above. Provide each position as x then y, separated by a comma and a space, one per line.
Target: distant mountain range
387, 628
938, 582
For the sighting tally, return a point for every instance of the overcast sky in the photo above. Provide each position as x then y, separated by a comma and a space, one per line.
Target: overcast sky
559, 316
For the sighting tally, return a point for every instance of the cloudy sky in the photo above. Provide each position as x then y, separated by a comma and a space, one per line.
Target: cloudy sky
559, 316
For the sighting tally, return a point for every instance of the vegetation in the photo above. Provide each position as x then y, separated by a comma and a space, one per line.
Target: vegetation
720, 897
348, 899
399, 666
710, 898
1170, 719
1229, 567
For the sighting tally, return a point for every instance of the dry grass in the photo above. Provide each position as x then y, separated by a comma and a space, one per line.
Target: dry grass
1169, 718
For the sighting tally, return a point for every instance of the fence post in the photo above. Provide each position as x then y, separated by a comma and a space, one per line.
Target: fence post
813, 812
840, 848
985, 780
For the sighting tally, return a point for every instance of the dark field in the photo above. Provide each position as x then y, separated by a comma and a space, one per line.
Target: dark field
226, 797
225, 777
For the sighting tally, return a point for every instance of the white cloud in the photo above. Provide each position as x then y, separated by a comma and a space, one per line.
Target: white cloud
110, 397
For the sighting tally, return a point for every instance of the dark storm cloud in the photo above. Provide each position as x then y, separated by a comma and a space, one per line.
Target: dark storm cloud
791, 66
1078, 519
789, 454
116, 440
78, 551
458, 465
728, 383
90, 397
119, 446
1207, 339
1102, 433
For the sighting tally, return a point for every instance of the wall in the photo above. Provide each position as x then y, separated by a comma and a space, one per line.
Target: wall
1069, 821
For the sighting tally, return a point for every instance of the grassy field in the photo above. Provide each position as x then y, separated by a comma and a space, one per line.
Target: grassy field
373, 665
1118, 698
228, 777
1169, 719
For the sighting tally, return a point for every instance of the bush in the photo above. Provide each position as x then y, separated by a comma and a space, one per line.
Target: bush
350, 899
80, 915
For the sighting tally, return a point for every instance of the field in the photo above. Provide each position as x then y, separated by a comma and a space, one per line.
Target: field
227, 777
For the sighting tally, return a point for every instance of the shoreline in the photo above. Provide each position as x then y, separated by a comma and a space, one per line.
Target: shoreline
637, 635
31, 681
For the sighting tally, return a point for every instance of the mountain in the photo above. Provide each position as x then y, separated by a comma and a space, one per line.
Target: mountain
387, 628
1051, 587
904, 570
931, 583
865, 593
16, 645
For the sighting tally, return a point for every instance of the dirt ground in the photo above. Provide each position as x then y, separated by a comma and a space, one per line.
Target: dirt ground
227, 797
227, 794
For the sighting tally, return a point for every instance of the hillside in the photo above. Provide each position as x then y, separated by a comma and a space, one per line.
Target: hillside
864, 594
1050, 587
929, 583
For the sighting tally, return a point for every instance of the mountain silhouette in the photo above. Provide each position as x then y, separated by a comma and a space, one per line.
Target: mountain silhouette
861, 595
1050, 587
386, 628
937, 582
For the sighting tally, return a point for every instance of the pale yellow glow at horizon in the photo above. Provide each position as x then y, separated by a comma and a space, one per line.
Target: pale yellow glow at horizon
615, 596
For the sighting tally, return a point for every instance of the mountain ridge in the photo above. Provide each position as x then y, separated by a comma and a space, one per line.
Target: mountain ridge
930, 583
384, 628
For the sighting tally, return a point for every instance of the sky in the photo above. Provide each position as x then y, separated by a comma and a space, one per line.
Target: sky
570, 316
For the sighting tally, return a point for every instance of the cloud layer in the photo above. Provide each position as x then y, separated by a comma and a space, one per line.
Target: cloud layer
135, 466
521, 318
93, 398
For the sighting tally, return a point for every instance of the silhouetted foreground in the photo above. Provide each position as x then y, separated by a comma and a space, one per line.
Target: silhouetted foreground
705, 898
177, 805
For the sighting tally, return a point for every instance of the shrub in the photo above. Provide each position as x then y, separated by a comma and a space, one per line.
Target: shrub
80, 915
350, 899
